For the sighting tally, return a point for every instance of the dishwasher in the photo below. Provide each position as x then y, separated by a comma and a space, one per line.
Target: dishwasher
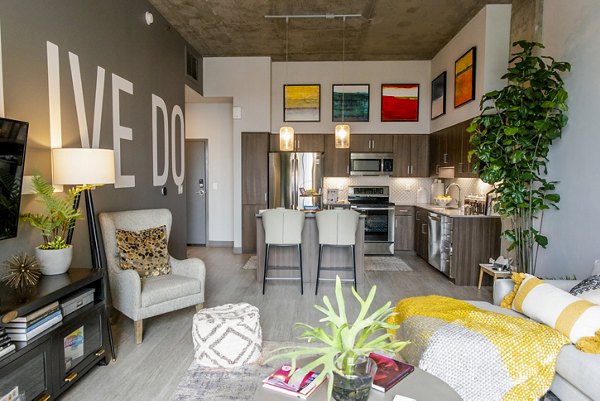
440, 242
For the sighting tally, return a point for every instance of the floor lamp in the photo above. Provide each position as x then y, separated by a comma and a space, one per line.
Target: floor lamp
86, 166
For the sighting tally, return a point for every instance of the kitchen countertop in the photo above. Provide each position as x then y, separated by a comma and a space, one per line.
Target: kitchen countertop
445, 211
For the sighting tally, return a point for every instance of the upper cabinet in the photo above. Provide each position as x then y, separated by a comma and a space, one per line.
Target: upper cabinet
411, 156
365, 143
336, 161
450, 147
302, 143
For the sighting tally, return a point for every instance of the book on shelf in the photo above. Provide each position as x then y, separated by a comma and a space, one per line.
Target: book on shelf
33, 333
24, 325
389, 372
12, 395
37, 313
7, 349
280, 381
38, 323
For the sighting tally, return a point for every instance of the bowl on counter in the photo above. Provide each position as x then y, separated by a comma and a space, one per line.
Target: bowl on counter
442, 201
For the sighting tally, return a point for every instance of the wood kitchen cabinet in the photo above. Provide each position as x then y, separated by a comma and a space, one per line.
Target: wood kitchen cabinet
450, 147
422, 233
336, 161
404, 228
302, 143
255, 184
411, 156
377, 143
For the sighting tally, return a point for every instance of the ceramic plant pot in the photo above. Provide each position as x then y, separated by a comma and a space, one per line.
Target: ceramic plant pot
54, 261
355, 386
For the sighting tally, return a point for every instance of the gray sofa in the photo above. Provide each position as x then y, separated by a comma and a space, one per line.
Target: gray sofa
577, 372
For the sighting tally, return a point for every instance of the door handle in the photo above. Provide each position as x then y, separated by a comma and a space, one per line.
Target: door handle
423, 228
265, 197
201, 192
71, 377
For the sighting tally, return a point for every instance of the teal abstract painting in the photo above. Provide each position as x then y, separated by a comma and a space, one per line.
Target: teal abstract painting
350, 102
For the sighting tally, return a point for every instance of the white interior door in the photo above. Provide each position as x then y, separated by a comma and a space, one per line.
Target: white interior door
197, 190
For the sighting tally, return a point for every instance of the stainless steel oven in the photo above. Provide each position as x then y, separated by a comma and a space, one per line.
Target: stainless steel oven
373, 203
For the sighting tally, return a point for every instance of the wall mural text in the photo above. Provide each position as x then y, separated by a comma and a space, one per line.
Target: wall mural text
173, 144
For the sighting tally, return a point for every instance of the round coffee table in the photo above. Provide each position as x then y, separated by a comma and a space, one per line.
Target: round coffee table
418, 385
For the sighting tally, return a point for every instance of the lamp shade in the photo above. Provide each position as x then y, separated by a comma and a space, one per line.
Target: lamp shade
286, 139
78, 166
342, 136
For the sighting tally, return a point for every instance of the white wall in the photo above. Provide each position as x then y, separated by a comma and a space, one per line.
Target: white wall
374, 73
213, 121
489, 31
570, 33
248, 81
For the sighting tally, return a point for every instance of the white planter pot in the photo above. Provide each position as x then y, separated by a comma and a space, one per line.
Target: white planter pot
54, 261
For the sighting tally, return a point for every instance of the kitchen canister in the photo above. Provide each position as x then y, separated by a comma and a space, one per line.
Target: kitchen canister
437, 189
422, 195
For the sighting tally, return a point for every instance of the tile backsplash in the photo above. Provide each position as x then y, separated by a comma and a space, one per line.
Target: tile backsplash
404, 189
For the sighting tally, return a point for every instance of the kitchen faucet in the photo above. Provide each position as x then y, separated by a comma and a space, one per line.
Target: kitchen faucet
457, 186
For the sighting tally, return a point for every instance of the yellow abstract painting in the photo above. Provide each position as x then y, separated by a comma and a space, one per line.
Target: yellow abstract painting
302, 102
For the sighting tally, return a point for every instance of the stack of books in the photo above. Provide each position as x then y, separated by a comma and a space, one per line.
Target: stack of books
27, 327
280, 381
6, 347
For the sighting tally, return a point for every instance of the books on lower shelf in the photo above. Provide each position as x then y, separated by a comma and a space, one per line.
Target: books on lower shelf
6, 347
389, 372
27, 327
12, 395
280, 381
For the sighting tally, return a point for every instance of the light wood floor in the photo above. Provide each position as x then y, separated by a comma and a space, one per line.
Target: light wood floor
152, 370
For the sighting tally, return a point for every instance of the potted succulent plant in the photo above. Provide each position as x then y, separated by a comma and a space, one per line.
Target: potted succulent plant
59, 216
343, 346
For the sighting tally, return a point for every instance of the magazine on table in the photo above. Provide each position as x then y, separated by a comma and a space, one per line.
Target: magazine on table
280, 381
389, 372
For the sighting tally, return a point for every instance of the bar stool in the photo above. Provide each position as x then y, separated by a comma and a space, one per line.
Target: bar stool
283, 227
337, 228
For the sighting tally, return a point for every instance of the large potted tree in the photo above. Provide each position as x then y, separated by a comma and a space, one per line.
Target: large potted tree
512, 137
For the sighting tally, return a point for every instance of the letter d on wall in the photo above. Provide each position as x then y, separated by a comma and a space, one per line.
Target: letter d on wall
159, 104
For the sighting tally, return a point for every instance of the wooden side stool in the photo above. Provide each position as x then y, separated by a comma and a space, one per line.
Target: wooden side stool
488, 269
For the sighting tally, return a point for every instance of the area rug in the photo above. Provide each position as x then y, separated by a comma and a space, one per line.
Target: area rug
372, 263
220, 384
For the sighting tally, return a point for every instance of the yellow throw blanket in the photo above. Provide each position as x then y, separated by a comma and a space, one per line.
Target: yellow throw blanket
482, 355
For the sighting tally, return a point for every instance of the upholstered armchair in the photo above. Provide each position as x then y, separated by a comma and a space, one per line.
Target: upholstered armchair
140, 298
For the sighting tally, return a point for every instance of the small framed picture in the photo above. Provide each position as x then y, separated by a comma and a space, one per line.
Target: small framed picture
438, 96
399, 102
302, 103
350, 102
464, 78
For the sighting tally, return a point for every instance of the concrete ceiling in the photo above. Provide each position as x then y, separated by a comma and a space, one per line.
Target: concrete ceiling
387, 30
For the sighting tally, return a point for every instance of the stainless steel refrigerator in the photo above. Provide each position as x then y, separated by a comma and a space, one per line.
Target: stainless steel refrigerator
295, 180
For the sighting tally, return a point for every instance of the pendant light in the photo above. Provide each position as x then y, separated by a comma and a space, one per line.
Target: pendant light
342, 131
286, 133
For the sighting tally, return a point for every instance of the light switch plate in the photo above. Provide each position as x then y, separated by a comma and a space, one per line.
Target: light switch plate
237, 112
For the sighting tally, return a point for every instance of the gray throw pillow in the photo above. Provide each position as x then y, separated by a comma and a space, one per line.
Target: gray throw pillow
588, 289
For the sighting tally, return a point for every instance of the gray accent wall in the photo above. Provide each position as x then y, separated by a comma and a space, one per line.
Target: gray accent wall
111, 34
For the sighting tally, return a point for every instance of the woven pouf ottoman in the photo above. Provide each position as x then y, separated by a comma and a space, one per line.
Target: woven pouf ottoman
227, 336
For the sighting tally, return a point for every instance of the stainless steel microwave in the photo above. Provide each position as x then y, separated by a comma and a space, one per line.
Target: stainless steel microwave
371, 163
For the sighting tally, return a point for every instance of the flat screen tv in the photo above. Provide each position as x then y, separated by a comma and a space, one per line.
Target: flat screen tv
13, 140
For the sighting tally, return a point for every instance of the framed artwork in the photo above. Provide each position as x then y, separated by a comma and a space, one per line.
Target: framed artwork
464, 78
301, 103
399, 102
350, 102
438, 96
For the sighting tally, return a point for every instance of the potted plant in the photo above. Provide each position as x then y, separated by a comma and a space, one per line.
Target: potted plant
59, 216
512, 139
343, 346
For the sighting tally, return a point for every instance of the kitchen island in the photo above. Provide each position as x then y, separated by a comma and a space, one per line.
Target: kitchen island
332, 256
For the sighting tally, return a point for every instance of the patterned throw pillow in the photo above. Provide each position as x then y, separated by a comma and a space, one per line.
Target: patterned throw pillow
576, 318
588, 289
144, 251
